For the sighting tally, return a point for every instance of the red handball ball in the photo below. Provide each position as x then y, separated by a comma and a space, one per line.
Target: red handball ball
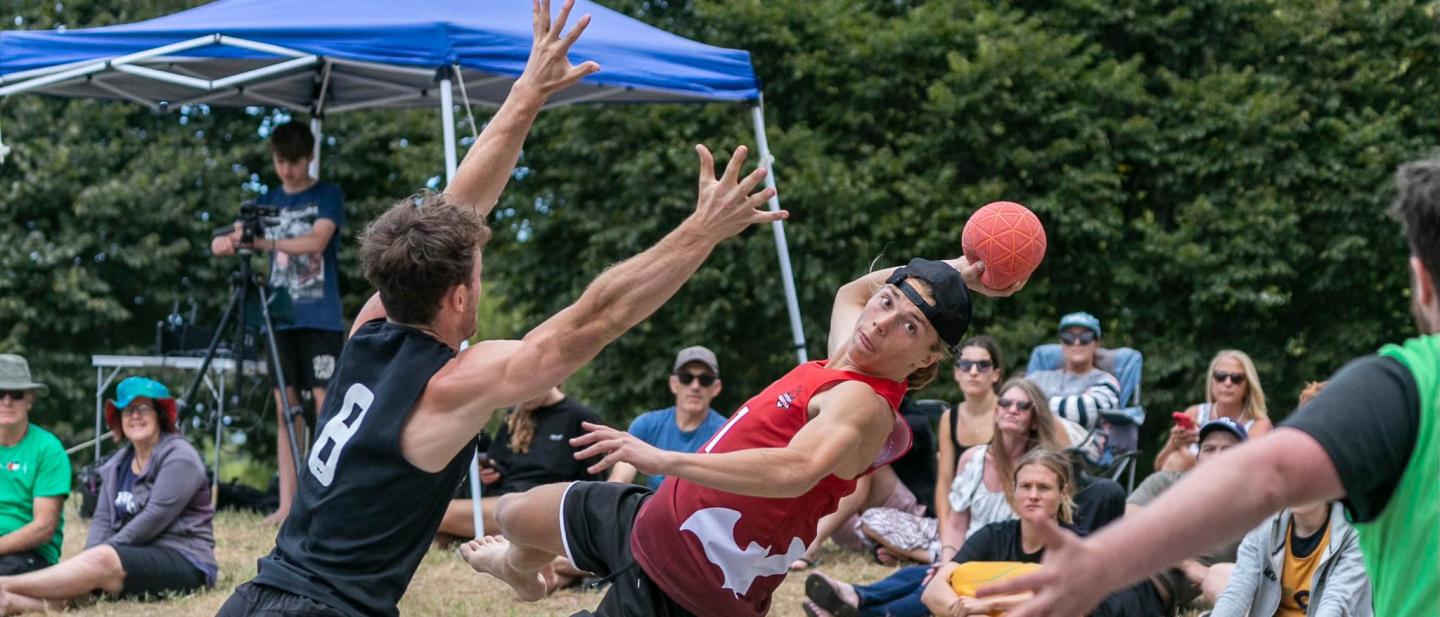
1008, 237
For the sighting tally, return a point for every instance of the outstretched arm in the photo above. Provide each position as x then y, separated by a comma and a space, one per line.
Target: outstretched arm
495, 374
487, 166
842, 439
1284, 468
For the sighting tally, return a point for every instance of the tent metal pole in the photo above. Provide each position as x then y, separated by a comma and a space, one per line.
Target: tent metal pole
787, 276
447, 121
317, 126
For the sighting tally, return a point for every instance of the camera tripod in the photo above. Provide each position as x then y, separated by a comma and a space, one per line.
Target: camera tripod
245, 284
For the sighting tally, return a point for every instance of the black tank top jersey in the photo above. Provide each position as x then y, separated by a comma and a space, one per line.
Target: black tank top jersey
363, 516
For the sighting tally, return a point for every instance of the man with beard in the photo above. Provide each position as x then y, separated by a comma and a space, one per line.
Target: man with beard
1371, 439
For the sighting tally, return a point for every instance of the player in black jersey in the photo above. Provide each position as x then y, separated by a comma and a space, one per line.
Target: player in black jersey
397, 433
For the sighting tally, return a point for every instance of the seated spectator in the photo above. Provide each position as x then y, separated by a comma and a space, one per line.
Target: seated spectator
1304, 561
1233, 392
690, 423
37, 476
978, 495
531, 448
1206, 572
151, 534
1041, 488
978, 370
1079, 391
904, 485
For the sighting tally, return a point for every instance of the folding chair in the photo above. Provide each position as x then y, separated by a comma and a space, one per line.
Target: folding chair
1118, 434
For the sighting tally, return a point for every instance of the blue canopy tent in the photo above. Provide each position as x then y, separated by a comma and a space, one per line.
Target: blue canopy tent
329, 56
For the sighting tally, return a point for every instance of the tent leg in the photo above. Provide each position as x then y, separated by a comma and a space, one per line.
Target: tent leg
447, 120
475, 496
792, 302
317, 127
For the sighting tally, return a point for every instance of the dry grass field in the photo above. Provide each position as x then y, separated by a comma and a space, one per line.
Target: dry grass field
444, 585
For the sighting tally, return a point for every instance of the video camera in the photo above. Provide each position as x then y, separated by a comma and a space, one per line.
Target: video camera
252, 221
252, 217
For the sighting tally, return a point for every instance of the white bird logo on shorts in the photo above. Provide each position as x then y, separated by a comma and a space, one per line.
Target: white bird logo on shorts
715, 527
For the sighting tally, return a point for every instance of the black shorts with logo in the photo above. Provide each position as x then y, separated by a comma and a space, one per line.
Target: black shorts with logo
308, 356
595, 523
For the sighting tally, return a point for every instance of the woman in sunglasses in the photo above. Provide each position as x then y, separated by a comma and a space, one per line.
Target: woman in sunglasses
151, 534
1233, 391
977, 496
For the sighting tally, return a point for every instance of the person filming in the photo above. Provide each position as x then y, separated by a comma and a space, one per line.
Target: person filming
304, 245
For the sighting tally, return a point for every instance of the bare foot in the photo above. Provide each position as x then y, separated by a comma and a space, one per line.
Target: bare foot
487, 556
15, 604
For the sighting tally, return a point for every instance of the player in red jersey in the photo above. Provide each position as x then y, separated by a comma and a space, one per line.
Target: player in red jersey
716, 539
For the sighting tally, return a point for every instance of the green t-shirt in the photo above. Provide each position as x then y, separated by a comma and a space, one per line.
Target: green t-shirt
35, 467
1402, 545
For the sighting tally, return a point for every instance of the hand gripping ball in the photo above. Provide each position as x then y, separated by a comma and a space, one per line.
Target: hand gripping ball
1008, 238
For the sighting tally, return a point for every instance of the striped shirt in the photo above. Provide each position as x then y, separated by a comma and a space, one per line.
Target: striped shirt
1079, 397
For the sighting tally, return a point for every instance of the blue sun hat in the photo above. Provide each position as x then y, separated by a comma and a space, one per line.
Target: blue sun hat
137, 387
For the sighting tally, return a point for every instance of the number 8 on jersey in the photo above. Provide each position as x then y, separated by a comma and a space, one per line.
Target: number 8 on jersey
325, 455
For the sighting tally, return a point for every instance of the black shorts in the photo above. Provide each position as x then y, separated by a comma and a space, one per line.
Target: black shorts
156, 571
252, 599
308, 356
595, 523
20, 563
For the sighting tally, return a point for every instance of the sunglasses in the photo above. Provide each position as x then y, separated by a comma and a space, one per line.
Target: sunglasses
706, 379
983, 366
1006, 403
14, 395
1235, 378
1082, 338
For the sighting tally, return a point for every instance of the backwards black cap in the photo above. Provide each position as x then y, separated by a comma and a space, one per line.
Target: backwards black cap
950, 313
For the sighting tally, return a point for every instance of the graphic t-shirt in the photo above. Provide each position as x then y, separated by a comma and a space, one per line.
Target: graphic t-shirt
35, 467
658, 428
311, 280
1302, 559
125, 506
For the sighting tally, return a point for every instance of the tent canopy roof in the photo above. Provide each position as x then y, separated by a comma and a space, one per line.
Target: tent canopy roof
349, 54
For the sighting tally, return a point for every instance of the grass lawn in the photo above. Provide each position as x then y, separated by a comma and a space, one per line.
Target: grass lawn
444, 585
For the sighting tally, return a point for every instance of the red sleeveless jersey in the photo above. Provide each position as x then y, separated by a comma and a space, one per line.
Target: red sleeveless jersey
722, 554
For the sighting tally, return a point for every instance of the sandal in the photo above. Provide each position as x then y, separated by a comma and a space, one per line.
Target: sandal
806, 564
824, 595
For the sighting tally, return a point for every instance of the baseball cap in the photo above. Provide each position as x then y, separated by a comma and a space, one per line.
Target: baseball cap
1080, 319
699, 354
950, 313
1224, 424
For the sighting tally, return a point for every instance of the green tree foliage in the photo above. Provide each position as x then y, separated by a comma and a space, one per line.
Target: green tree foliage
1211, 174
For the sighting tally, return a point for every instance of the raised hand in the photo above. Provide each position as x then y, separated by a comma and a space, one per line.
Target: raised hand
549, 70
971, 272
616, 446
725, 205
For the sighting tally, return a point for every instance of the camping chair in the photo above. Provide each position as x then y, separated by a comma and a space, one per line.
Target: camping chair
1116, 437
